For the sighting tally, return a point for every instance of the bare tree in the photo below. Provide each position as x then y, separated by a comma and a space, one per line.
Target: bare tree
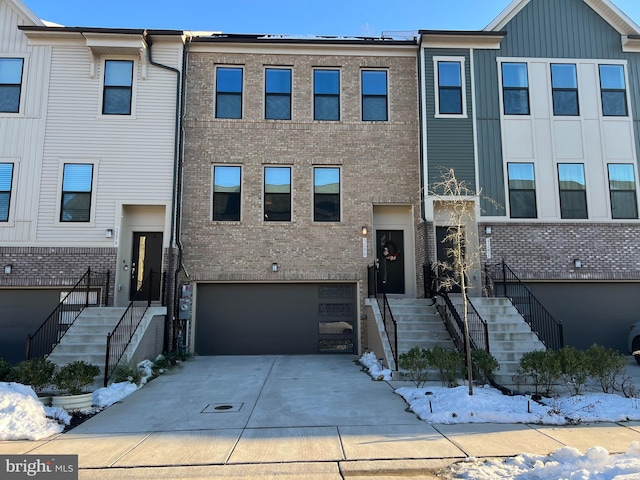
459, 201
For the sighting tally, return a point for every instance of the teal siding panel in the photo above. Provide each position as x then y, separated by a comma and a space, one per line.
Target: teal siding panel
542, 29
450, 141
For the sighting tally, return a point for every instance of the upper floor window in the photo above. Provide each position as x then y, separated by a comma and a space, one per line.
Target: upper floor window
277, 94
515, 89
10, 84
374, 96
326, 94
226, 193
277, 194
564, 85
450, 101
613, 91
522, 190
573, 190
326, 194
229, 92
118, 87
622, 188
6, 179
77, 181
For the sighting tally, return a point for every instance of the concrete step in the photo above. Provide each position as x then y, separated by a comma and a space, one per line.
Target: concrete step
65, 358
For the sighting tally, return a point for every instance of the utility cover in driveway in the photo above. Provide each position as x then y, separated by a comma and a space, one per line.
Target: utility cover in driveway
272, 319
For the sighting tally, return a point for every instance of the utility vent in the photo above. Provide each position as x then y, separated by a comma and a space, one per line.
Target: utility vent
222, 408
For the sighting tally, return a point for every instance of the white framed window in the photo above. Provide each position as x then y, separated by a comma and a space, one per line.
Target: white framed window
450, 87
11, 81
77, 192
573, 191
515, 88
622, 191
6, 186
613, 90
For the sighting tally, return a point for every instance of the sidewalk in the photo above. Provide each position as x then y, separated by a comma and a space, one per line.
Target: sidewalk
289, 417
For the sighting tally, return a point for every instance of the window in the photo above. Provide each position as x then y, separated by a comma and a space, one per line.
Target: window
564, 86
10, 84
374, 96
229, 92
76, 192
573, 190
450, 88
6, 178
622, 188
326, 95
226, 194
515, 89
277, 194
277, 94
613, 91
522, 190
326, 194
118, 87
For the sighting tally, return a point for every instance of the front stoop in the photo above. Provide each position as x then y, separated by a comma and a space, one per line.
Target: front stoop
510, 337
419, 325
86, 339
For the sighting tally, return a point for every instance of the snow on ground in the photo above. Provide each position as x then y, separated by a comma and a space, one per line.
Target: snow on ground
24, 417
441, 405
374, 367
565, 463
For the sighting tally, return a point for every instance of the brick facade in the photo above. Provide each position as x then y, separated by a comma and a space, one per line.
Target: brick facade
379, 163
607, 251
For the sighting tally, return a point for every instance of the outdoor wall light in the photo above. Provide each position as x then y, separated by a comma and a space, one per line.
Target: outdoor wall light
8, 268
274, 267
365, 230
109, 233
487, 229
577, 263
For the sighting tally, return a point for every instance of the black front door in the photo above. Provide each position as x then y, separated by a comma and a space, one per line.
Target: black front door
444, 246
145, 258
390, 255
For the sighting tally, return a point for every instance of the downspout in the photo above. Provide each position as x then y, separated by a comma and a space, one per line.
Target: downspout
176, 167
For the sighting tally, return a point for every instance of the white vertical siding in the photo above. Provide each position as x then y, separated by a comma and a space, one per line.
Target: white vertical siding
22, 134
133, 155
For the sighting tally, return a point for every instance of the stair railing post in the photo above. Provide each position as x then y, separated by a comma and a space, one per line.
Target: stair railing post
106, 361
106, 288
504, 278
86, 303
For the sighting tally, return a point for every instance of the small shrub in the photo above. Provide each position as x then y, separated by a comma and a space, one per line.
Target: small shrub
484, 366
6, 371
575, 367
606, 366
36, 372
416, 362
541, 369
126, 373
450, 364
74, 377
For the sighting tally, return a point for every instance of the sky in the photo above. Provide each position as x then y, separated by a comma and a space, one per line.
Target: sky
287, 17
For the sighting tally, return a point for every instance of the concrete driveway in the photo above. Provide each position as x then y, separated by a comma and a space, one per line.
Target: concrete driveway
302, 417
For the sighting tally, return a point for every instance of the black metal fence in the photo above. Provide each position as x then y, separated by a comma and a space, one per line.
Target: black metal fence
120, 337
501, 281
91, 290
390, 325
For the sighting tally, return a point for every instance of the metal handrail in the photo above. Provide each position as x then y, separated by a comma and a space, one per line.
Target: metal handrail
42, 342
478, 329
390, 324
500, 280
120, 337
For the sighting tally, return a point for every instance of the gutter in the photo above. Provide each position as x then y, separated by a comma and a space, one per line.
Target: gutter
177, 156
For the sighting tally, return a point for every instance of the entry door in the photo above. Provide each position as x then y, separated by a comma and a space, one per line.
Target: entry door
146, 257
390, 254
443, 252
